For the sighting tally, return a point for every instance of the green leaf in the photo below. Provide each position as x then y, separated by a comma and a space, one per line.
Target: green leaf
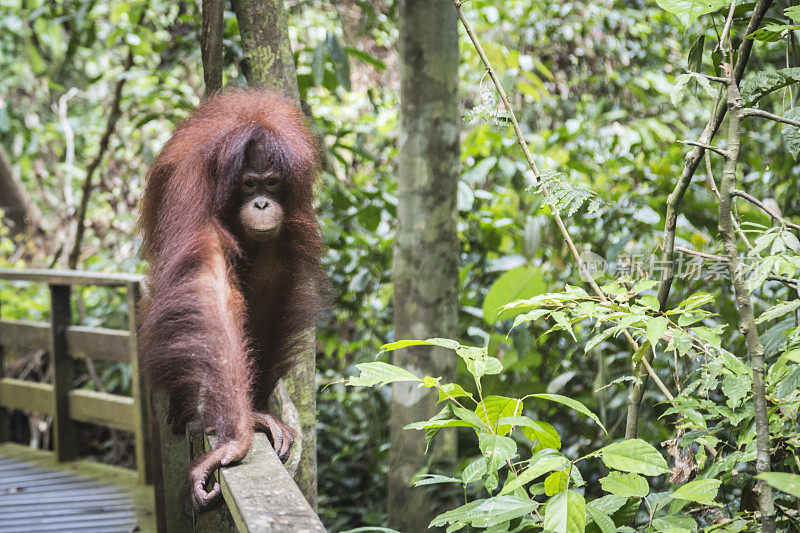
788, 384
433, 479
625, 485
565, 513
696, 54
496, 448
597, 339
481, 512
517, 284
474, 471
442, 419
793, 355
452, 390
702, 491
695, 300
537, 431
779, 310
656, 328
634, 455
537, 468
365, 57
603, 521
762, 83
608, 504
379, 373
688, 10
708, 335
341, 65
788, 483
555, 483
444, 343
681, 524
573, 404
318, 62
468, 416
735, 388
492, 408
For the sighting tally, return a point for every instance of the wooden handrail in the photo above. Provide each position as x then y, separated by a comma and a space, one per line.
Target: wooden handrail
69, 277
259, 493
65, 341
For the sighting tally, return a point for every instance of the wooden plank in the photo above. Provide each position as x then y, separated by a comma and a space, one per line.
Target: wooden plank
261, 495
65, 442
27, 395
103, 409
82, 341
5, 418
173, 510
118, 477
141, 413
69, 277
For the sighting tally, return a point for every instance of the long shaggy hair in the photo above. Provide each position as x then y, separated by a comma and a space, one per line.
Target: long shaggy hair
208, 340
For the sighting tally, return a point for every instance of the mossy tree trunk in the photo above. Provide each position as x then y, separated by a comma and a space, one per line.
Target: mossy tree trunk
269, 63
426, 247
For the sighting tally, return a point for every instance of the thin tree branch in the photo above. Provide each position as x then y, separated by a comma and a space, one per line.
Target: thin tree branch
752, 112
529, 158
704, 255
744, 306
709, 77
712, 184
705, 146
772, 277
758, 203
211, 44
86, 188
674, 200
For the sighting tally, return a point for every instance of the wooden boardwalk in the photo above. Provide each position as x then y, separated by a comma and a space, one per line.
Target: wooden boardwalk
38, 494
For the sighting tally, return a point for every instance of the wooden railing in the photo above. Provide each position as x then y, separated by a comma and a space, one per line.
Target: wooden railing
259, 494
63, 341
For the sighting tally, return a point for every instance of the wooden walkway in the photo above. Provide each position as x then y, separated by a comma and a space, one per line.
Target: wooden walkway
38, 494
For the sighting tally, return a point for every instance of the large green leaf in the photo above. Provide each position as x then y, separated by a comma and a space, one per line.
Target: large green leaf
656, 327
603, 521
791, 134
379, 373
625, 485
495, 448
569, 402
493, 408
763, 82
537, 468
483, 513
516, 284
634, 455
702, 491
555, 483
565, 513
537, 431
688, 10
444, 343
789, 483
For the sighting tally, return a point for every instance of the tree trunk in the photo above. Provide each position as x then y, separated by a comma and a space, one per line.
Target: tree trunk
268, 59
18, 209
269, 62
426, 247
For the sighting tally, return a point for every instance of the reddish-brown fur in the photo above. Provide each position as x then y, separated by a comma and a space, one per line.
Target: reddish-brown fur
221, 313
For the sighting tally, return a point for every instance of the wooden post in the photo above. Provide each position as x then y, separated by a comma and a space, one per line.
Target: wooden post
173, 510
5, 428
141, 413
63, 373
